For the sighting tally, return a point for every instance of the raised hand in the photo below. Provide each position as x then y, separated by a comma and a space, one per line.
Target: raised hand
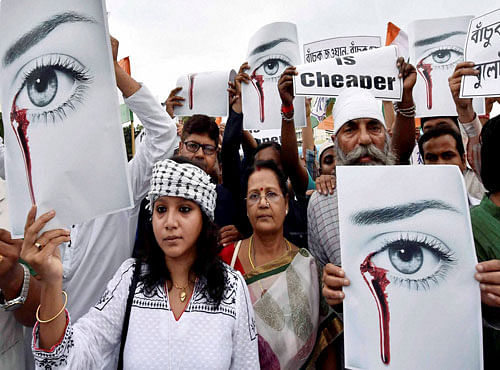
464, 105
234, 89
173, 100
285, 86
41, 252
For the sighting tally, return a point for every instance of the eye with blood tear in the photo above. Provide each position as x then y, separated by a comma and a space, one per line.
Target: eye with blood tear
412, 259
271, 67
442, 56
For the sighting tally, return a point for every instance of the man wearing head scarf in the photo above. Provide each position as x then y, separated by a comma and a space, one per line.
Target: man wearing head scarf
360, 137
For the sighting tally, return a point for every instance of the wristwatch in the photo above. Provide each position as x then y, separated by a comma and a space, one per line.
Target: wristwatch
15, 303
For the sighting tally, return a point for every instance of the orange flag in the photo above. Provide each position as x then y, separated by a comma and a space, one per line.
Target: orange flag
125, 64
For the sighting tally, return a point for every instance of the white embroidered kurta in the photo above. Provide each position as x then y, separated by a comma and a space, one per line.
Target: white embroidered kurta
204, 336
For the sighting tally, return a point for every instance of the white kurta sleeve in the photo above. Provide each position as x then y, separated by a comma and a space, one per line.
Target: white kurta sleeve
245, 344
159, 142
94, 339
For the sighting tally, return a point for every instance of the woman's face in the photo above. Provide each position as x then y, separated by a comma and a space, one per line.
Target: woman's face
266, 205
60, 109
177, 224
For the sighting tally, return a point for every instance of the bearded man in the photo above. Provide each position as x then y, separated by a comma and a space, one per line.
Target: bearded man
360, 138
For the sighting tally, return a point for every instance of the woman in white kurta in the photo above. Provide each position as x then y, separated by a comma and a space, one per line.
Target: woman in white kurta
189, 310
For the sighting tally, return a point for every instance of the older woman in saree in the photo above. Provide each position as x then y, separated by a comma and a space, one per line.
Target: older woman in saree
294, 323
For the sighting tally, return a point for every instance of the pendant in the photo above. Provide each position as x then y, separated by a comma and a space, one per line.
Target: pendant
182, 296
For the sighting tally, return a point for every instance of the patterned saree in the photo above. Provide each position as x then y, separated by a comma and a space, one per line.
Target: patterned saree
294, 322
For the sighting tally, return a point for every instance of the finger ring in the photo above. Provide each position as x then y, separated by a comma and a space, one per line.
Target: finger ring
38, 245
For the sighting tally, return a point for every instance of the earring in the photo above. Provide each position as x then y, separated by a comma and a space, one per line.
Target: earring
286, 212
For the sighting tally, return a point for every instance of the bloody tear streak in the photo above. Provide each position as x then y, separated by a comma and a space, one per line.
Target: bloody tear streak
258, 82
21, 132
378, 283
191, 85
425, 71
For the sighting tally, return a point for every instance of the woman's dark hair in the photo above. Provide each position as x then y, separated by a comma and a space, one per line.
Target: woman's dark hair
490, 155
270, 165
206, 265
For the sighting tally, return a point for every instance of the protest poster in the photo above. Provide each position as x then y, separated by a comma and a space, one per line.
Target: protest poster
482, 47
408, 252
64, 141
204, 93
271, 50
436, 47
374, 70
330, 48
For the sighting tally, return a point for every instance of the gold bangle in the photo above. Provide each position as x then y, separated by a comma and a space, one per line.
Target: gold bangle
52, 319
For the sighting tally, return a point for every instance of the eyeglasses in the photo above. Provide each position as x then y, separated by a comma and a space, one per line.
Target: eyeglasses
270, 196
193, 147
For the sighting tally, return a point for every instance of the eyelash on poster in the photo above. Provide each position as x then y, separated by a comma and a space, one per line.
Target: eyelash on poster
280, 58
433, 245
64, 64
447, 65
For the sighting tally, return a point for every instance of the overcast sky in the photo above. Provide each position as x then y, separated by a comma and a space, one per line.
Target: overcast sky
165, 39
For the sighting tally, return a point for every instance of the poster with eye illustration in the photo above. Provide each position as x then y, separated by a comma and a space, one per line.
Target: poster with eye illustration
436, 47
408, 251
204, 93
64, 142
271, 50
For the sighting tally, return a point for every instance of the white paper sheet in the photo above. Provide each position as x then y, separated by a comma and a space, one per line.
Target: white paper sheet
271, 50
482, 47
64, 147
408, 228
204, 93
374, 70
436, 47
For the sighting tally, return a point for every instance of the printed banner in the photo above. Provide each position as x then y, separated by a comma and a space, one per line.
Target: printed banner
330, 48
271, 50
64, 141
204, 93
374, 70
338, 46
436, 47
482, 47
408, 252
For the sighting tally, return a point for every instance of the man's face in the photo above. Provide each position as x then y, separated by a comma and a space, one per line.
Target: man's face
327, 162
207, 161
363, 142
439, 122
443, 150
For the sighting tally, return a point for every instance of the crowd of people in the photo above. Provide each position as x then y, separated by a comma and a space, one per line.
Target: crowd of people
230, 260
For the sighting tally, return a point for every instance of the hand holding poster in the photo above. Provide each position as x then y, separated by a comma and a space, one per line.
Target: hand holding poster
204, 93
408, 252
64, 142
436, 47
271, 50
374, 70
482, 47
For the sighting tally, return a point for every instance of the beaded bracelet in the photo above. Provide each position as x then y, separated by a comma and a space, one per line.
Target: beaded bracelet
52, 319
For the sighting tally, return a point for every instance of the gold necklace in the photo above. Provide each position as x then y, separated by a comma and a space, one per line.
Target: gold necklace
287, 243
